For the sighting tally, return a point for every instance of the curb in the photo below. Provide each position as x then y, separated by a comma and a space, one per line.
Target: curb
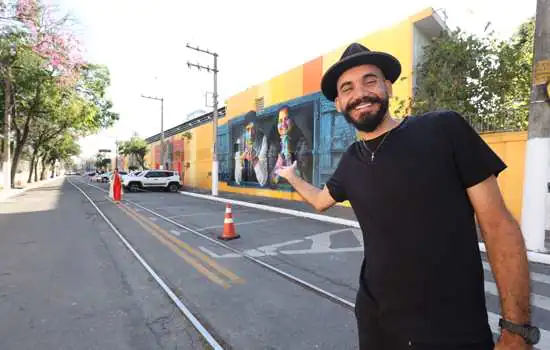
303, 214
536, 257
23, 190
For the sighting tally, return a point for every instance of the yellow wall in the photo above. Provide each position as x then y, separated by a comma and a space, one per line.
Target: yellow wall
297, 82
198, 152
286, 86
510, 146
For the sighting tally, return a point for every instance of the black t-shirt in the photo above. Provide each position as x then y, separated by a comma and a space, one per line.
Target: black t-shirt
422, 264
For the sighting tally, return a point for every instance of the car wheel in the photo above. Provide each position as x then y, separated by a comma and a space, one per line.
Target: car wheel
173, 187
134, 187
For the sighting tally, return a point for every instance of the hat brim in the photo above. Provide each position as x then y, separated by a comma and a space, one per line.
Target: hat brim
388, 64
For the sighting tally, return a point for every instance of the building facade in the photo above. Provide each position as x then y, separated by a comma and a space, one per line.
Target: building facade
287, 119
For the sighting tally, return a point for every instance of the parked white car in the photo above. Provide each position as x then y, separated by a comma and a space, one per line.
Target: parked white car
149, 179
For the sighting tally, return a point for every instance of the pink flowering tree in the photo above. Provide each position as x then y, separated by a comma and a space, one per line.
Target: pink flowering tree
52, 39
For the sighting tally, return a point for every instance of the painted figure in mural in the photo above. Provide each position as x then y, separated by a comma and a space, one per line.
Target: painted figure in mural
257, 159
284, 126
304, 159
260, 167
421, 280
249, 136
238, 167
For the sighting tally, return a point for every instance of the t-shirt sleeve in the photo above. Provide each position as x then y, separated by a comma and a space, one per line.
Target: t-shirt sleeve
336, 183
473, 157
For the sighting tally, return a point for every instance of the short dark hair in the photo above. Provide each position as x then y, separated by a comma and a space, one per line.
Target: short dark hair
283, 107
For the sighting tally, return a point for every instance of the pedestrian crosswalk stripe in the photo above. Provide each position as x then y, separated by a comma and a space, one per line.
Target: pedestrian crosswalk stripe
537, 277
540, 301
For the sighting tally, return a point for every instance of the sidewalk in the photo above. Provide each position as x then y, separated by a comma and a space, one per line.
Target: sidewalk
5, 195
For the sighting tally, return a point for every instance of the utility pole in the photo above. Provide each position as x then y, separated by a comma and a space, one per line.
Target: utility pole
537, 160
162, 155
7, 118
7, 131
214, 113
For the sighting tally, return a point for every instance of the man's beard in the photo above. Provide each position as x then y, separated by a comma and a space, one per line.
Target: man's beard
367, 121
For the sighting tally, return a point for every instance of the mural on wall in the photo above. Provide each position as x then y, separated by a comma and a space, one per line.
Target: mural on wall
174, 159
262, 144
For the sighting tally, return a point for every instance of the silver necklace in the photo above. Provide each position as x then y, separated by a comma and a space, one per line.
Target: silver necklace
372, 153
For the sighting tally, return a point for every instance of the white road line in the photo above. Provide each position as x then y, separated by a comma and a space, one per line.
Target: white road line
235, 214
543, 344
537, 277
322, 251
217, 256
272, 248
245, 223
171, 207
321, 241
540, 301
190, 214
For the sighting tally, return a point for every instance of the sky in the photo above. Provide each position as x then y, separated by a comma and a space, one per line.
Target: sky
143, 43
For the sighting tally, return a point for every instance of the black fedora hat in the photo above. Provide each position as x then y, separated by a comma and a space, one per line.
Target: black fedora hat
355, 55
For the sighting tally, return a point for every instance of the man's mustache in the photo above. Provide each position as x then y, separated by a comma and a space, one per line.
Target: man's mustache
364, 99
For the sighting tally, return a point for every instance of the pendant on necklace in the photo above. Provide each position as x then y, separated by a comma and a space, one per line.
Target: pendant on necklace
372, 157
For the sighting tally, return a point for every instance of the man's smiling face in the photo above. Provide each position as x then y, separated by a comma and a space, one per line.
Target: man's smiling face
363, 96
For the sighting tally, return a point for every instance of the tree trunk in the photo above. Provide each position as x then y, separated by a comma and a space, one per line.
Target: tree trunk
52, 165
36, 171
34, 159
29, 180
43, 172
19, 148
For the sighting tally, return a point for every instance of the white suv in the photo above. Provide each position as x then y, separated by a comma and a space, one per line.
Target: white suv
169, 180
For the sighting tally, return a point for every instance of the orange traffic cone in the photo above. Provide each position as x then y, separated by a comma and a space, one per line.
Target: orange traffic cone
228, 225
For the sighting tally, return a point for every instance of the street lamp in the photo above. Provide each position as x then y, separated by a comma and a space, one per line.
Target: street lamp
161, 99
5, 65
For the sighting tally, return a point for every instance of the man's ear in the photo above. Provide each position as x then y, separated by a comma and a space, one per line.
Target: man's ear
337, 103
389, 88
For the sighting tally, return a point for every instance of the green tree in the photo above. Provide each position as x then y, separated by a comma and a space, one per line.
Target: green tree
513, 76
453, 75
54, 90
136, 147
484, 79
61, 148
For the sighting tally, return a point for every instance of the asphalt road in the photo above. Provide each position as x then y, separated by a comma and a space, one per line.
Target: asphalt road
66, 282
244, 305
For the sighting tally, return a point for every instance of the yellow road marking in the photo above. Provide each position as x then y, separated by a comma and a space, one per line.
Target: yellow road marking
190, 260
211, 262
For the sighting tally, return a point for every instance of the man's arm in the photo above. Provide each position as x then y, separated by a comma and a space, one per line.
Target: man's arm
321, 200
505, 248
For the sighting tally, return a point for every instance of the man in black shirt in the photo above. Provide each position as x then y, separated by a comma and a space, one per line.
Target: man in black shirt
416, 186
